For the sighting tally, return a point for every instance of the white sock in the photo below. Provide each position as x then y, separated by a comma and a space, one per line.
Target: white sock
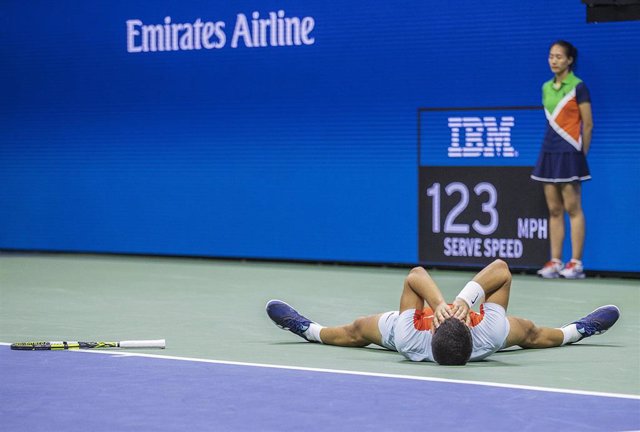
313, 332
570, 333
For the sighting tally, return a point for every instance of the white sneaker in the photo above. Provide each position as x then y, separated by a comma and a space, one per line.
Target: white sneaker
573, 270
551, 269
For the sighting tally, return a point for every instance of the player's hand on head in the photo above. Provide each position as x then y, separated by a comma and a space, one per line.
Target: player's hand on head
441, 313
460, 310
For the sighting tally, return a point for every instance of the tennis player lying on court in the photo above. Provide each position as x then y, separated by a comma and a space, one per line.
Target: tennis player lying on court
449, 334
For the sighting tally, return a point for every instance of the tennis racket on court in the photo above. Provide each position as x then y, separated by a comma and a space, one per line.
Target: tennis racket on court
66, 345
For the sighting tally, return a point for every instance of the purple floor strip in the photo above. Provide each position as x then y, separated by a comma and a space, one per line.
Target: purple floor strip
45, 391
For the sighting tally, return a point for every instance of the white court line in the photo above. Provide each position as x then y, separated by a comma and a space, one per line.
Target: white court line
372, 374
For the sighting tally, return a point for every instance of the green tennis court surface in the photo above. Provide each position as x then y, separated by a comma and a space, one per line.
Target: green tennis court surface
214, 310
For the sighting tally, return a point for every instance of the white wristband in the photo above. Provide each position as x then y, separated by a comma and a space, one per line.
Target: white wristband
472, 293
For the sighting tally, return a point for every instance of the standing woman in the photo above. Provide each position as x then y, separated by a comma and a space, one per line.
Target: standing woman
562, 164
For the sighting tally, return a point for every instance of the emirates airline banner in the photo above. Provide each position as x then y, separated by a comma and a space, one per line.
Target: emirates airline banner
287, 129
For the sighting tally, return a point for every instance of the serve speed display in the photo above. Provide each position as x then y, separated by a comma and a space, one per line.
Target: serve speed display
482, 206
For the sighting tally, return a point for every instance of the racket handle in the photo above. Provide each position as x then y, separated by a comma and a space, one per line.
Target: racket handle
158, 343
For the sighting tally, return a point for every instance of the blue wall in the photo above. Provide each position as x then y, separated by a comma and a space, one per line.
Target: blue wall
283, 152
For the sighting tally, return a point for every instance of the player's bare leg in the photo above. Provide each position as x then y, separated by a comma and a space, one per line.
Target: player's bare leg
360, 333
526, 334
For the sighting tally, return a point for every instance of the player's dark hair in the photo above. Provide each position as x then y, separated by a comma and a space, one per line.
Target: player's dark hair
569, 51
451, 343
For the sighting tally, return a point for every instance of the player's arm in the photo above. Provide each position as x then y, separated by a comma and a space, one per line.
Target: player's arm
492, 284
587, 125
420, 287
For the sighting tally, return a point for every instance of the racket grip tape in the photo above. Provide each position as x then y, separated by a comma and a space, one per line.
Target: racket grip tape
45, 346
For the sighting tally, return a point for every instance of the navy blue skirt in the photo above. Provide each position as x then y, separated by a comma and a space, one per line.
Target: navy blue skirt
561, 167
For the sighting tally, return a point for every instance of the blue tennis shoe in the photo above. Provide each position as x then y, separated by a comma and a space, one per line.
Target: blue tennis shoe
598, 321
287, 318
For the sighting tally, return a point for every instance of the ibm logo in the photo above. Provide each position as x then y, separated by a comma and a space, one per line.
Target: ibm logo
481, 137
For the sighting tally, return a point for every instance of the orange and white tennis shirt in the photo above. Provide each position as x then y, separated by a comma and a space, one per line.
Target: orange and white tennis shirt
423, 319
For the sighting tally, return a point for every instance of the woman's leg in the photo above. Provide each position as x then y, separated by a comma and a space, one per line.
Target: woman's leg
554, 197
571, 196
